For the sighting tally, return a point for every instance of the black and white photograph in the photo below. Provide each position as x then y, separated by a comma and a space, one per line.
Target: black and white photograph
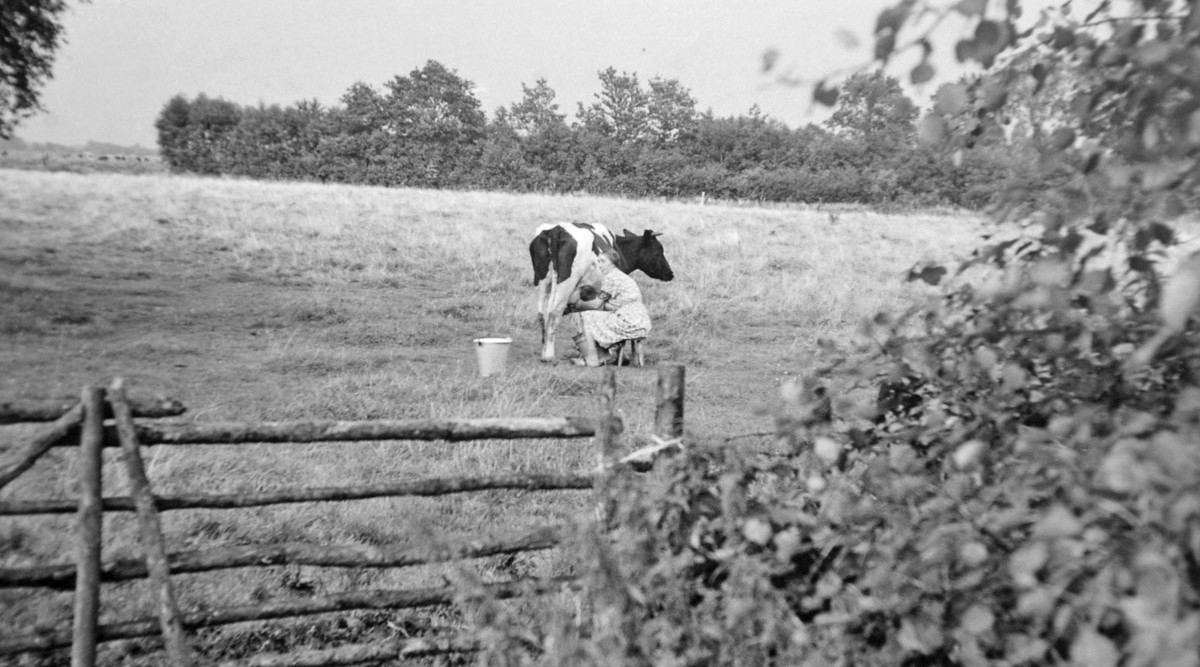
656, 333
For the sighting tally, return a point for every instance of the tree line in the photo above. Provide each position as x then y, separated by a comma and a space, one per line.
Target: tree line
636, 138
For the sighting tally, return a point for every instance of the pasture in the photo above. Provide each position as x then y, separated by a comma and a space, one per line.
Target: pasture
253, 301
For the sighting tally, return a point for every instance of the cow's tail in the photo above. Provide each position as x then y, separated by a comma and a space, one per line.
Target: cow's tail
541, 251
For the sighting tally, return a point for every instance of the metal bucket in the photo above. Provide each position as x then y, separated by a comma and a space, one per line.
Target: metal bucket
492, 355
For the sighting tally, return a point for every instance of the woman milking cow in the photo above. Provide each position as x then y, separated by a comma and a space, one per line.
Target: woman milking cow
609, 314
583, 268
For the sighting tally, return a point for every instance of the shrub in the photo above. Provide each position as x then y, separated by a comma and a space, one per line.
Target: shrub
1036, 499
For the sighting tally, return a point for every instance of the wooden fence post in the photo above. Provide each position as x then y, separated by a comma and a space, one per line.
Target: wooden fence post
668, 413
88, 529
668, 419
153, 545
608, 427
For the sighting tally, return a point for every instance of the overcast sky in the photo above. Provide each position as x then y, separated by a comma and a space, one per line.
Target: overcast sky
125, 58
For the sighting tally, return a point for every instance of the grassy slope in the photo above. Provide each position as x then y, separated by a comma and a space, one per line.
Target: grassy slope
253, 301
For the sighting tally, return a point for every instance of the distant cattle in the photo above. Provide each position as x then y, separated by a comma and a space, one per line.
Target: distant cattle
563, 256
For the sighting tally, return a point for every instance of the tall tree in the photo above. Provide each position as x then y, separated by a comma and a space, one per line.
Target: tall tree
363, 108
30, 33
537, 111
672, 111
434, 103
873, 108
621, 111
436, 124
192, 134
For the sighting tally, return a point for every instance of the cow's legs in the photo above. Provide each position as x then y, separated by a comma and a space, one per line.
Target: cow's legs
546, 316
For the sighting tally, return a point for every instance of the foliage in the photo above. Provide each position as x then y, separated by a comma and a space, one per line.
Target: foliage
1023, 487
30, 33
621, 111
873, 109
427, 129
192, 135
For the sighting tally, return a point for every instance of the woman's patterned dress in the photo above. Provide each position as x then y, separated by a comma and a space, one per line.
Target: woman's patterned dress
628, 317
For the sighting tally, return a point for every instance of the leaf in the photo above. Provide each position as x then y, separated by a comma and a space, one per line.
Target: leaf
931, 131
1151, 136
971, 7
1058, 522
965, 49
769, 58
952, 99
930, 274
968, 454
787, 544
1024, 564
1092, 649
922, 73
1193, 128
1013, 377
1152, 54
1162, 233
992, 96
893, 18
1063, 38
827, 449
1121, 471
757, 531
989, 36
1039, 73
1181, 295
847, 38
824, 95
1140, 264
909, 638
901, 457
1062, 138
1169, 205
986, 357
1036, 604
885, 43
1162, 175
973, 554
1118, 176
978, 620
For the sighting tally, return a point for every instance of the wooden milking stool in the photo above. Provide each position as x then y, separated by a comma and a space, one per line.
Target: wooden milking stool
631, 349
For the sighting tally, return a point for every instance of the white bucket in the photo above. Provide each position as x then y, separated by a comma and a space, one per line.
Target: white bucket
492, 355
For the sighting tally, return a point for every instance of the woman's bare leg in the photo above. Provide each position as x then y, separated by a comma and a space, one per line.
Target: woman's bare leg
589, 349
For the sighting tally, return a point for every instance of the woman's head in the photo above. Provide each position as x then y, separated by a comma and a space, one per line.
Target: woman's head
606, 260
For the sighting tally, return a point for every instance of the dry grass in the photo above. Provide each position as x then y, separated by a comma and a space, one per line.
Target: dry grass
253, 301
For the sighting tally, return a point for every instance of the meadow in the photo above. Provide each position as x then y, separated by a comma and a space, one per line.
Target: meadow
252, 301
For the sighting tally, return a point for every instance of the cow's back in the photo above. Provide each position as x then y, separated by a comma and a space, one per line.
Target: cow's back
556, 246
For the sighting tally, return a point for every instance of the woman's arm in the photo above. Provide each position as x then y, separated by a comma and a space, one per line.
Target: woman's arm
623, 289
601, 302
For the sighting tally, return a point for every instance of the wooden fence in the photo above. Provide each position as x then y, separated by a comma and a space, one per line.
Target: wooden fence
107, 418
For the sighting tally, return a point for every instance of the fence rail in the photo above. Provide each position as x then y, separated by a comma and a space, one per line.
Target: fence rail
440, 486
83, 425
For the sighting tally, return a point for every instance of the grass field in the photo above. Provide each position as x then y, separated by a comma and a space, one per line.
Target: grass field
269, 301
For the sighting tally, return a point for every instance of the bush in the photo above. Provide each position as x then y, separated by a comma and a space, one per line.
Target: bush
1025, 490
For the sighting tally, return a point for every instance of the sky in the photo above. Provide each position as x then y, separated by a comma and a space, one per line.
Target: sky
124, 59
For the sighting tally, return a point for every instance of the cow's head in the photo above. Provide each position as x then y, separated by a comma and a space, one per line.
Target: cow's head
646, 253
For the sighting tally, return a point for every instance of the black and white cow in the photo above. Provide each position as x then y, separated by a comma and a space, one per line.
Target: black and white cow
563, 256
